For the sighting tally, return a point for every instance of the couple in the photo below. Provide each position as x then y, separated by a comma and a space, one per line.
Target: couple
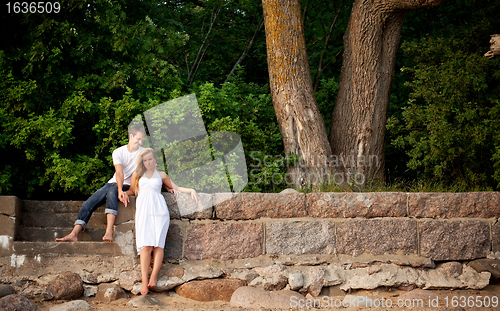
135, 173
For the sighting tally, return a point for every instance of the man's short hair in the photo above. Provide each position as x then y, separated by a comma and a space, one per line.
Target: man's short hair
134, 129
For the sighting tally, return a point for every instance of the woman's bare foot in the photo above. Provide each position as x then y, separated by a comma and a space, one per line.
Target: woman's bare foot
144, 289
152, 282
69, 238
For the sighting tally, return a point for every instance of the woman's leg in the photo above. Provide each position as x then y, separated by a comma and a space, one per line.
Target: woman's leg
145, 262
157, 261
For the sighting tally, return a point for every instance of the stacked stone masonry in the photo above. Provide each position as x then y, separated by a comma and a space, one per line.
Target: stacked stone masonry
225, 226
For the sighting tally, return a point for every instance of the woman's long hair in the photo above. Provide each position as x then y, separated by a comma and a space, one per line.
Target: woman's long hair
140, 169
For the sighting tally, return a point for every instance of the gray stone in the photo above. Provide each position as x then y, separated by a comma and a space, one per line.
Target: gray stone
144, 300
334, 275
495, 237
246, 205
474, 280
224, 241
490, 265
16, 303
7, 225
377, 237
110, 292
72, 306
185, 207
354, 204
90, 290
454, 240
10, 205
244, 274
271, 282
314, 279
173, 244
6, 290
128, 278
124, 237
276, 268
252, 297
295, 280
300, 237
67, 286
36, 293
201, 272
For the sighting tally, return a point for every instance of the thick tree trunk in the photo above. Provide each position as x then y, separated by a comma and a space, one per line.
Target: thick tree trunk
300, 121
357, 134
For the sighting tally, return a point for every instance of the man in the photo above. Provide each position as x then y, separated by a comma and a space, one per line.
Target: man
124, 160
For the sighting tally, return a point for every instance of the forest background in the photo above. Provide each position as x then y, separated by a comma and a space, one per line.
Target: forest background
70, 83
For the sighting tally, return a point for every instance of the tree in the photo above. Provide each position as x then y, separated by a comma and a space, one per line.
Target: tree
300, 121
357, 132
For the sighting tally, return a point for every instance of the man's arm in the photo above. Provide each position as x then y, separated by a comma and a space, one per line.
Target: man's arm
122, 196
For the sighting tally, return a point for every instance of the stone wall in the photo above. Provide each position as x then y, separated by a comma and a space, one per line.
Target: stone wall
224, 226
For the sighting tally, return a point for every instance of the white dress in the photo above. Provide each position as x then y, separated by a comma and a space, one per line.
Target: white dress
151, 215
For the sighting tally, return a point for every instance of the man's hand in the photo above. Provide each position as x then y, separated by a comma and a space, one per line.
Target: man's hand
123, 197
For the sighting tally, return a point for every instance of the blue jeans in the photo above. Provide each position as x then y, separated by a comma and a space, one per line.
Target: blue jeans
109, 194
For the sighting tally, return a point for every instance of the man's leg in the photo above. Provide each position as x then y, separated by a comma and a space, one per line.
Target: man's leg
88, 207
112, 210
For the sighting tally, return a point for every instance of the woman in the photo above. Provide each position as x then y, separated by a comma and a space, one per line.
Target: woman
151, 215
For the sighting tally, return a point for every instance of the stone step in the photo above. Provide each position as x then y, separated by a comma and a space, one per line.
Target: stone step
67, 248
50, 234
32, 206
60, 220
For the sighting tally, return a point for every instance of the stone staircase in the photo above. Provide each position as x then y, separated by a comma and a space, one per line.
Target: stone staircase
41, 222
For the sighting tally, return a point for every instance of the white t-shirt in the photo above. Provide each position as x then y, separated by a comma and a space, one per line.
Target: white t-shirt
127, 160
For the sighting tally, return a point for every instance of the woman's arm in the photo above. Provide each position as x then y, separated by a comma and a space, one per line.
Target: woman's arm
131, 190
169, 184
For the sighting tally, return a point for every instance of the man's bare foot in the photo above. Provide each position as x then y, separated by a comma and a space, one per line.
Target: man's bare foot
69, 238
108, 237
144, 289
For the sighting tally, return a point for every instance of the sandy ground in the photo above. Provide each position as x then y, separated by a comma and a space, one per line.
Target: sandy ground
171, 301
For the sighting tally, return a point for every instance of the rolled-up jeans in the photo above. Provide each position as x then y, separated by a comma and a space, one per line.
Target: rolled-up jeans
109, 194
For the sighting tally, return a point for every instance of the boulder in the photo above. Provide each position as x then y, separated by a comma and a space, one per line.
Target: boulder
72, 306
6, 290
110, 292
210, 290
36, 293
128, 278
67, 286
144, 300
16, 302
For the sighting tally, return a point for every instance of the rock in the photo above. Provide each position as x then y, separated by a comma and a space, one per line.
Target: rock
16, 302
333, 275
377, 237
300, 237
67, 286
110, 292
201, 272
6, 290
90, 290
144, 300
296, 280
72, 306
353, 204
270, 269
36, 293
244, 274
418, 296
224, 241
458, 240
452, 268
490, 265
289, 190
210, 290
252, 297
174, 242
270, 282
247, 205
474, 280
314, 280
128, 278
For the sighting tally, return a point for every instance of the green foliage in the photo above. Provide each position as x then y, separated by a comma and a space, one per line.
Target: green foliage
450, 126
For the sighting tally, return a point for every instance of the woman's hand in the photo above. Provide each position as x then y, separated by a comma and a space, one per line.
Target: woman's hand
194, 195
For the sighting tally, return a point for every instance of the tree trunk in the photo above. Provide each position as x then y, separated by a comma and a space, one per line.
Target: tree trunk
357, 134
300, 121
